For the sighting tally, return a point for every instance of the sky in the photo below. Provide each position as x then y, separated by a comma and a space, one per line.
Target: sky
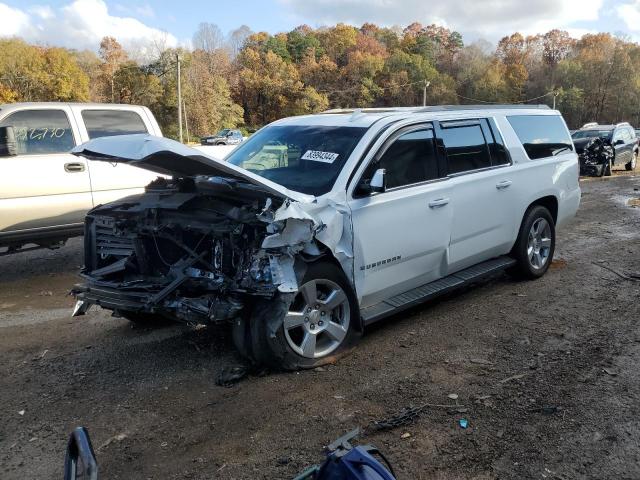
81, 24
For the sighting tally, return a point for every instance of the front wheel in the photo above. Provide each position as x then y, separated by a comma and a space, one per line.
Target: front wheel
312, 327
536, 243
607, 168
632, 164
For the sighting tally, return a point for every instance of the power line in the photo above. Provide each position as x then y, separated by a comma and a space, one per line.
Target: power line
494, 103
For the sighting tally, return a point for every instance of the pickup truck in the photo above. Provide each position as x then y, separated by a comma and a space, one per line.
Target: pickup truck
45, 191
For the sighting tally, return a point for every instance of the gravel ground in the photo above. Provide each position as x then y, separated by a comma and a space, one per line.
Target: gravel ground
545, 373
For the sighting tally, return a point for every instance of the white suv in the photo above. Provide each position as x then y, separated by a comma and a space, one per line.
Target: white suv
319, 225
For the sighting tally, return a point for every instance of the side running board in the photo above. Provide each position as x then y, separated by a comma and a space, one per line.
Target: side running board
434, 289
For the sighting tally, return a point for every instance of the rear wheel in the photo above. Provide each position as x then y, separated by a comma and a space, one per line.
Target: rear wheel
536, 243
632, 164
312, 327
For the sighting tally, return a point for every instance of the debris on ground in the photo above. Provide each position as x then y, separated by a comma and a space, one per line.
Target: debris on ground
229, 376
610, 371
21, 413
619, 274
514, 377
116, 438
463, 422
405, 435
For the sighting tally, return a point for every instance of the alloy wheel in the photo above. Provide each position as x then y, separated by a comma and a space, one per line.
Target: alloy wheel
318, 320
539, 243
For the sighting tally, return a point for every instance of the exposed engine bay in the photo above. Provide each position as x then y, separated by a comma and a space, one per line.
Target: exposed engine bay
193, 249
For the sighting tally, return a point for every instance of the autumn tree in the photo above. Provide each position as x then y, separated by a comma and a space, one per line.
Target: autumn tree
113, 56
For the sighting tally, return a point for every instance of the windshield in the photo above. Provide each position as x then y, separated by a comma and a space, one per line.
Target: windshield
222, 133
604, 134
303, 158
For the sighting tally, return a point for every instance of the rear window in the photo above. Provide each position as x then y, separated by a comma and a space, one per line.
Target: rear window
541, 135
107, 123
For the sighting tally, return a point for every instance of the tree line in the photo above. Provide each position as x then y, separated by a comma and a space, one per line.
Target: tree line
249, 79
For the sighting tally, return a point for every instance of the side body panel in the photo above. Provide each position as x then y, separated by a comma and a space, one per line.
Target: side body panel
40, 191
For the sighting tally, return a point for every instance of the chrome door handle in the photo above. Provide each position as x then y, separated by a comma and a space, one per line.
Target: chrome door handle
439, 202
503, 184
74, 167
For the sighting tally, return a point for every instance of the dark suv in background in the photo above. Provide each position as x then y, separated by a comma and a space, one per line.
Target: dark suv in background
621, 137
223, 137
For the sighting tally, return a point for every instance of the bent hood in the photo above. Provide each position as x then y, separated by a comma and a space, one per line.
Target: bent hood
168, 157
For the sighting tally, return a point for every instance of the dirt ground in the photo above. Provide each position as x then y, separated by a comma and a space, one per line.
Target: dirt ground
545, 372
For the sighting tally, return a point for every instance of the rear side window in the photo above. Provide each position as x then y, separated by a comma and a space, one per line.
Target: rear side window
41, 131
107, 123
541, 135
466, 146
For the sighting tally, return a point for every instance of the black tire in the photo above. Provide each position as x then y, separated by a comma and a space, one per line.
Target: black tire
607, 168
524, 267
632, 164
269, 344
220, 143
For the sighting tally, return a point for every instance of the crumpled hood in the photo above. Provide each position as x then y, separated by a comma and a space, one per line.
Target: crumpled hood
580, 143
168, 157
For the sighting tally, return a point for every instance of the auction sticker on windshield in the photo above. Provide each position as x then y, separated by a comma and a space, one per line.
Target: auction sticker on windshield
317, 156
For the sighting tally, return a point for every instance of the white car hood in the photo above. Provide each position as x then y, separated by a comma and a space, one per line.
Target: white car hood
168, 157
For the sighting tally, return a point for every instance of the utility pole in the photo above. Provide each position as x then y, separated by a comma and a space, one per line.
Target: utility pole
424, 93
179, 96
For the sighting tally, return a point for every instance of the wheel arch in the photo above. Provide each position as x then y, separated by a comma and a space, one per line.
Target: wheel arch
550, 202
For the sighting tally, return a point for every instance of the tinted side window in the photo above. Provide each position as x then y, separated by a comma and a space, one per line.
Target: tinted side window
541, 135
107, 123
411, 158
465, 145
41, 131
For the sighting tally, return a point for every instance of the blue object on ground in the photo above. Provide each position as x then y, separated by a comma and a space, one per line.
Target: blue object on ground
463, 423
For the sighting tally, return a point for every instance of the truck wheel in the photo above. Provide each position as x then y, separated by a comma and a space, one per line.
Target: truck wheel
536, 243
632, 164
312, 327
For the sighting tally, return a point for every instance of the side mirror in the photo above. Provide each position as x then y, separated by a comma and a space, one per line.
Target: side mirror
619, 142
379, 181
8, 145
80, 462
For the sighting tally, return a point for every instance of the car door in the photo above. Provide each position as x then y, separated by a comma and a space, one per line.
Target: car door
481, 191
401, 235
43, 186
111, 181
620, 143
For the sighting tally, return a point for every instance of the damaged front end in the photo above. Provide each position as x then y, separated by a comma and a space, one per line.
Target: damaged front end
197, 249
179, 252
594, 155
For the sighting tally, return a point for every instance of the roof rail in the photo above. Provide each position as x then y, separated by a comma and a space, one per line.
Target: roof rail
590, 124
439, 108
623, 124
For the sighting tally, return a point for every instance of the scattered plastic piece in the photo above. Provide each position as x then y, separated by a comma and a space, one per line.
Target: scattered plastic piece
453, 396
21, 413
230, 376
463, 423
